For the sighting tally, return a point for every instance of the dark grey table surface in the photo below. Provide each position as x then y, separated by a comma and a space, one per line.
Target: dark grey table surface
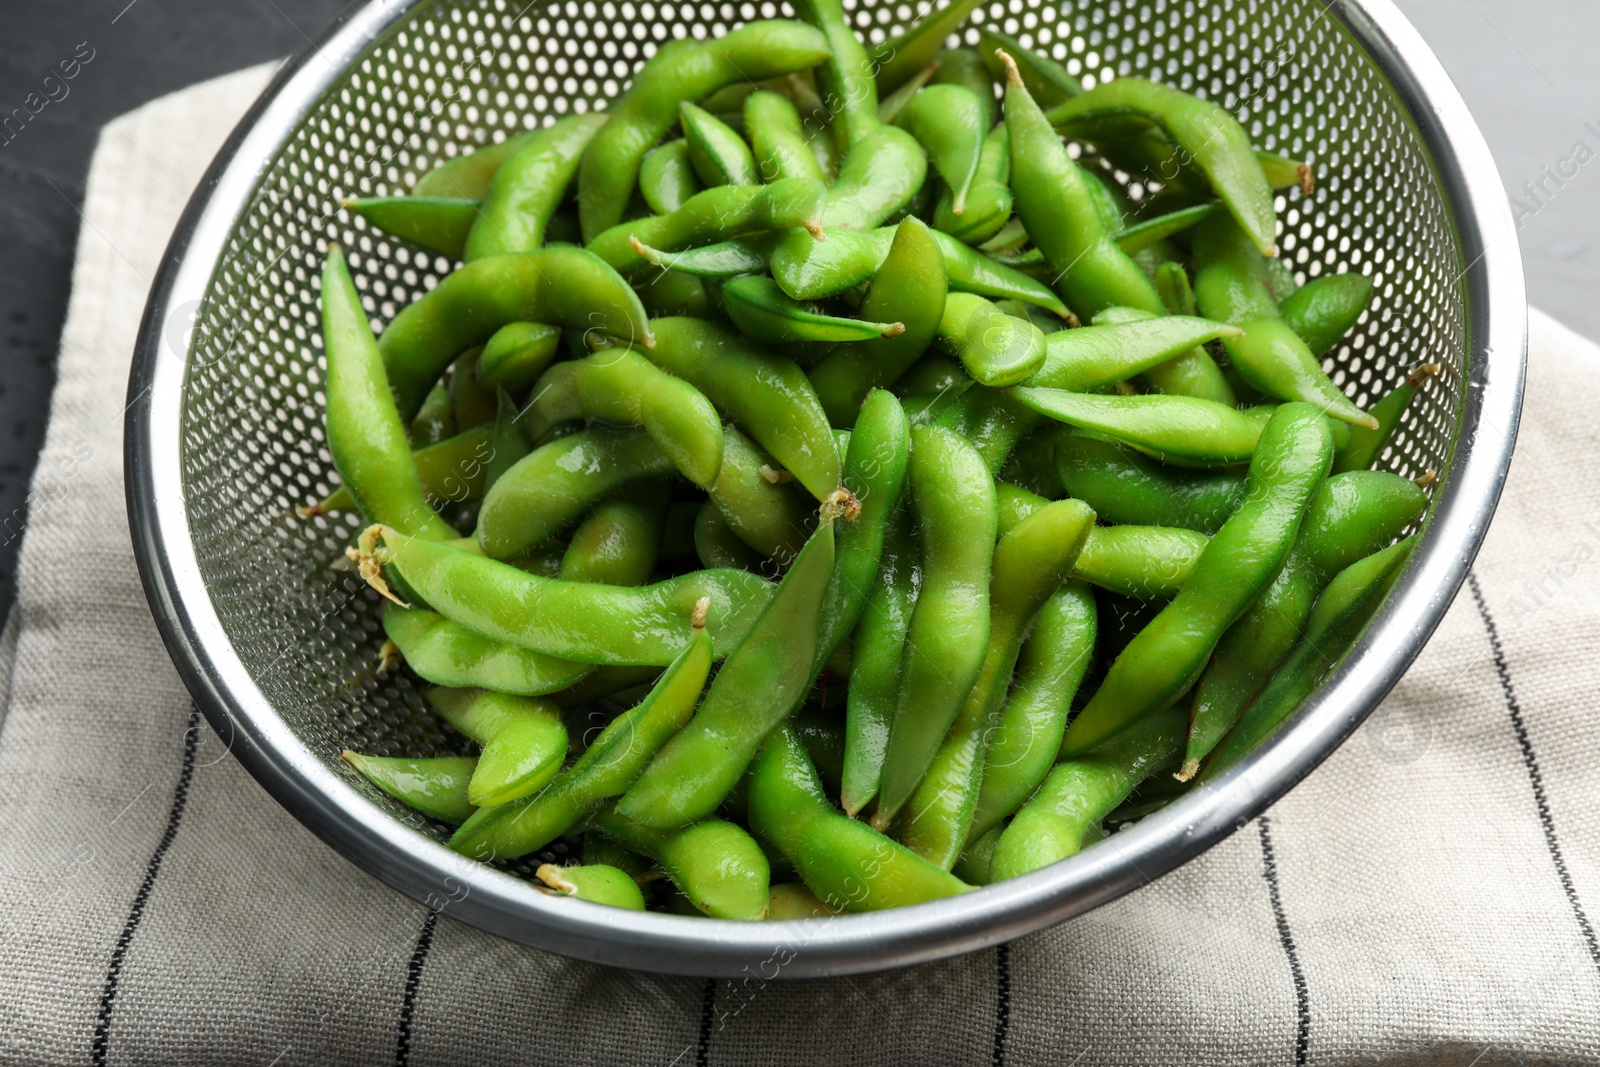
1526, 69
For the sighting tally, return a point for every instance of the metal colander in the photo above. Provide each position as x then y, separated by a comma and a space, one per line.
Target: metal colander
226, 435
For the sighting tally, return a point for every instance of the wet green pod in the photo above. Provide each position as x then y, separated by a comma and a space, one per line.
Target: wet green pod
1323, 310
777, 138
716, 151
595, 883
524, 740
435, 421
1190, 373
452, 471
1139, 236
909, 287
950, 122
844, 78
766, 314
666, 177
718, 546
934, 373
877, 178
468, 176
846, 863
1047, 81
1064, 815
1149, 562
1364, 446
1124, 486
974, 865
991, 421
899, 58
529, 186
618, 542
681, 70
988, 204
792, 900
621, 386
438, 223
715, 864
997, 349
447, 653
965, 67
559, 286
435, 786
553, 403
558, 482
1094, 357
724, 259
517, 354
1052, 664
768, 396
473, 402
1174, 429
890, 106
759, 507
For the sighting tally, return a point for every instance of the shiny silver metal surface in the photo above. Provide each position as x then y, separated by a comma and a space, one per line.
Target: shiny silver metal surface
225, 431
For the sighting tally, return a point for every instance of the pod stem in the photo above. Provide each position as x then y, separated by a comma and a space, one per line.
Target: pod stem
1308, 180
697, 618
370, 557
1423, 372
1188, 770
1013, 75
841, 502
556, 879
389, 657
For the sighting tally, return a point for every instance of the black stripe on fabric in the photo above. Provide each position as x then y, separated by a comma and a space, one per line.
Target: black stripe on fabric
408, 1000
708, 1015
1002, 1002
1535, 778
119, 952
1302, 997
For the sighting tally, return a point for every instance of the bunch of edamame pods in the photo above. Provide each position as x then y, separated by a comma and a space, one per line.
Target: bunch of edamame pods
816, 407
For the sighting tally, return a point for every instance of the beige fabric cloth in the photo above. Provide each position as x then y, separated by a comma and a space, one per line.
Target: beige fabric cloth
1423, 898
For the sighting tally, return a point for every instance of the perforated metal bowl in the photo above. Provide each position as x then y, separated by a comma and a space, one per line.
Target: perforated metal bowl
225, 434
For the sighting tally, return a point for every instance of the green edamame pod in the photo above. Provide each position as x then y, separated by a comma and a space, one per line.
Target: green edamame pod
845, 76
718, 546
447, 653
717, 213
1208, 134
1047, 81
997, 349
366, 433
528, 187
974, 865
1124, 486
934, 373
517, 353
1093, 357
435, 786
559, 286
1139, 236
724, 259
777, 138
1167, 656
607, 767
950, 122
965, 67
452, 471
473, 402
1174, 429
762, 681
1032, 464
524, 740
890, 106
1189, 373
760, 509
671, 292
618, 542
716, 151
1013, 504
822, 734
1065, 814
1150, 562
435, 421
766, 395
554, 403
619, 385
1323, 310
991, 420
909, 287
1030, 564
595, 883
715, 864
1052, 664
558, 482
846, 863
1268, 354
469, 175
666, 177
602, 624
792, 900
438, 223
682, 70
952, 494
765, 313
876, 653
989, 201
899, 58
1341, 612
878, 177
1364, 446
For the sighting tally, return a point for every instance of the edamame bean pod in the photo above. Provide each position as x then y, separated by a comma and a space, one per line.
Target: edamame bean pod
725, 259
997, 349
1032, 464
595, 883
1013, 504
435, 421
846, 863
761, 510
1051, 666
474, 403
1268, 354
845, 76
1151, 562
588, 623
452, 471
1208, 134
1188, 373
716, 864
365, 432
965, 67
718, 546
973, 866
671, 292
952, 495
558, 482
559, 286
1323, 310
778, 140
469, 175
768, 396
1365, 445
991, 421
517, 354
713, 215
619, 385
1138, 236
1056, 205
438, 223
617, 543
792, 900
950, 122
909, 287
524, 740
607, 767
1341, 613
765, 313
988, 204
890, 106
1093, 357
1167, 656
666, 177
681, 70
1064, 815
553, 403
877, 178
447, 653
1124, 486
716, 151
435, 786
933, 373
1047, 81
528, 187
1030, 564
899, 58
1174, 429
762, 681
